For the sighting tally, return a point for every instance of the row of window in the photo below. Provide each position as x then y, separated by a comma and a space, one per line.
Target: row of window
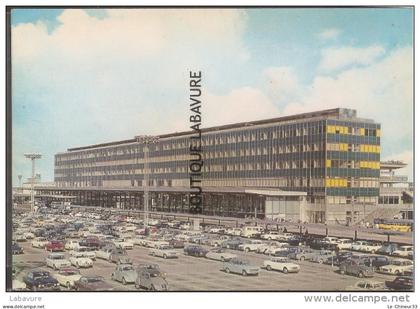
353, 131
352, 164
351, 183
353, 147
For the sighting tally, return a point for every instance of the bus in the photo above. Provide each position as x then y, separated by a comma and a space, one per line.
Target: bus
397, 225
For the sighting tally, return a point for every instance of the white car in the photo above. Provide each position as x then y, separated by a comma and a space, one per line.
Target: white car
164, 251
39, 242
123, 244
358, 245
403, 251
71, 244
29, 235
217, 230
371, 247
282, 264
67, 276
83, 251
56, 261
272, 235
104, 253
251, 246
331, 240
236, 231
271, 247
185, 226
79, 261
397, 267
344, 244
138, 240
220, 255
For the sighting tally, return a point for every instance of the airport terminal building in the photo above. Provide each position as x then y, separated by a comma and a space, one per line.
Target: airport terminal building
321, 166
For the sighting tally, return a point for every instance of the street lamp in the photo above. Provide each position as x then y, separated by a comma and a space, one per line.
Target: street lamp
146, 140
33, 157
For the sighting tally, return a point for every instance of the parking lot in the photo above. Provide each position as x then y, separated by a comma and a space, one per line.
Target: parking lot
187, 273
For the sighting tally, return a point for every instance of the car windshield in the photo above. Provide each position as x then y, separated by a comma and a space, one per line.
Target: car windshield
126, 268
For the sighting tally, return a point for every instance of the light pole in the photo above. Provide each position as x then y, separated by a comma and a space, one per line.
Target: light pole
146, 140
33, 157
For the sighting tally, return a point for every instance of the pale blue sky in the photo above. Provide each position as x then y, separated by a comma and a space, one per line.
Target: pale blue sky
84, 77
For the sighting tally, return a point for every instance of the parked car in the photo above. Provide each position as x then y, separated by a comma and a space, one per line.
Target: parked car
84, 251
303, 254
251, 246
321, 244
356, 268
217, 230
123, 244
54, 246
92, 283
164, 251
344, 244
403, 283
240, 266
371, 247
41, 281
403, 251
56, 261
271, 235
19, 237
322, 256
220, 254
104, 253
376, 261
16, 249
271, 247
233, 243
339, 258
67, 276
79, 260
119, 256
286, 252
359, 245
236, 231
151, 278
175, 243
71, 244
252, 231
124, 273
195, 250
387, 248
367, 285
281, 264
396, 267
39, 242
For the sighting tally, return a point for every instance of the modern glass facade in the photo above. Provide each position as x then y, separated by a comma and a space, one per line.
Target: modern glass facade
332, 155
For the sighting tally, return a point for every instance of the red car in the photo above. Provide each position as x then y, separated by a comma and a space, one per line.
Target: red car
55, 246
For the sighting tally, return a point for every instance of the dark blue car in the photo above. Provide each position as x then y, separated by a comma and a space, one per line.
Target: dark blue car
232, 243
195, 251
41, 281
286, 252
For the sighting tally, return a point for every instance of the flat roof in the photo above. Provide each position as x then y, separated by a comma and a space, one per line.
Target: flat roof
246, 190
323, 113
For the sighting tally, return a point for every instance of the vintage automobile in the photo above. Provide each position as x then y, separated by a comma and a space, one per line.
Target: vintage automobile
403, 251
39, 242
344, 244
252, 245
195, 250
367, 285
217, 230
281, 264
322, 256
376, 261
54, 246
124, 273
220, 254
67, 276
235, 231
403, 283
41, 281
123, 244
356, 268
79, 260
396, 267
232, 243
164, 251
150, 277
387, 248
16, 249
19, 237
138, 240
84, 251
104, 253
370, 247
271, 235
92, 283
303, 254
240, 266
71, 244
359, 245
56, 261
271, 247
175, 243
119, 256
